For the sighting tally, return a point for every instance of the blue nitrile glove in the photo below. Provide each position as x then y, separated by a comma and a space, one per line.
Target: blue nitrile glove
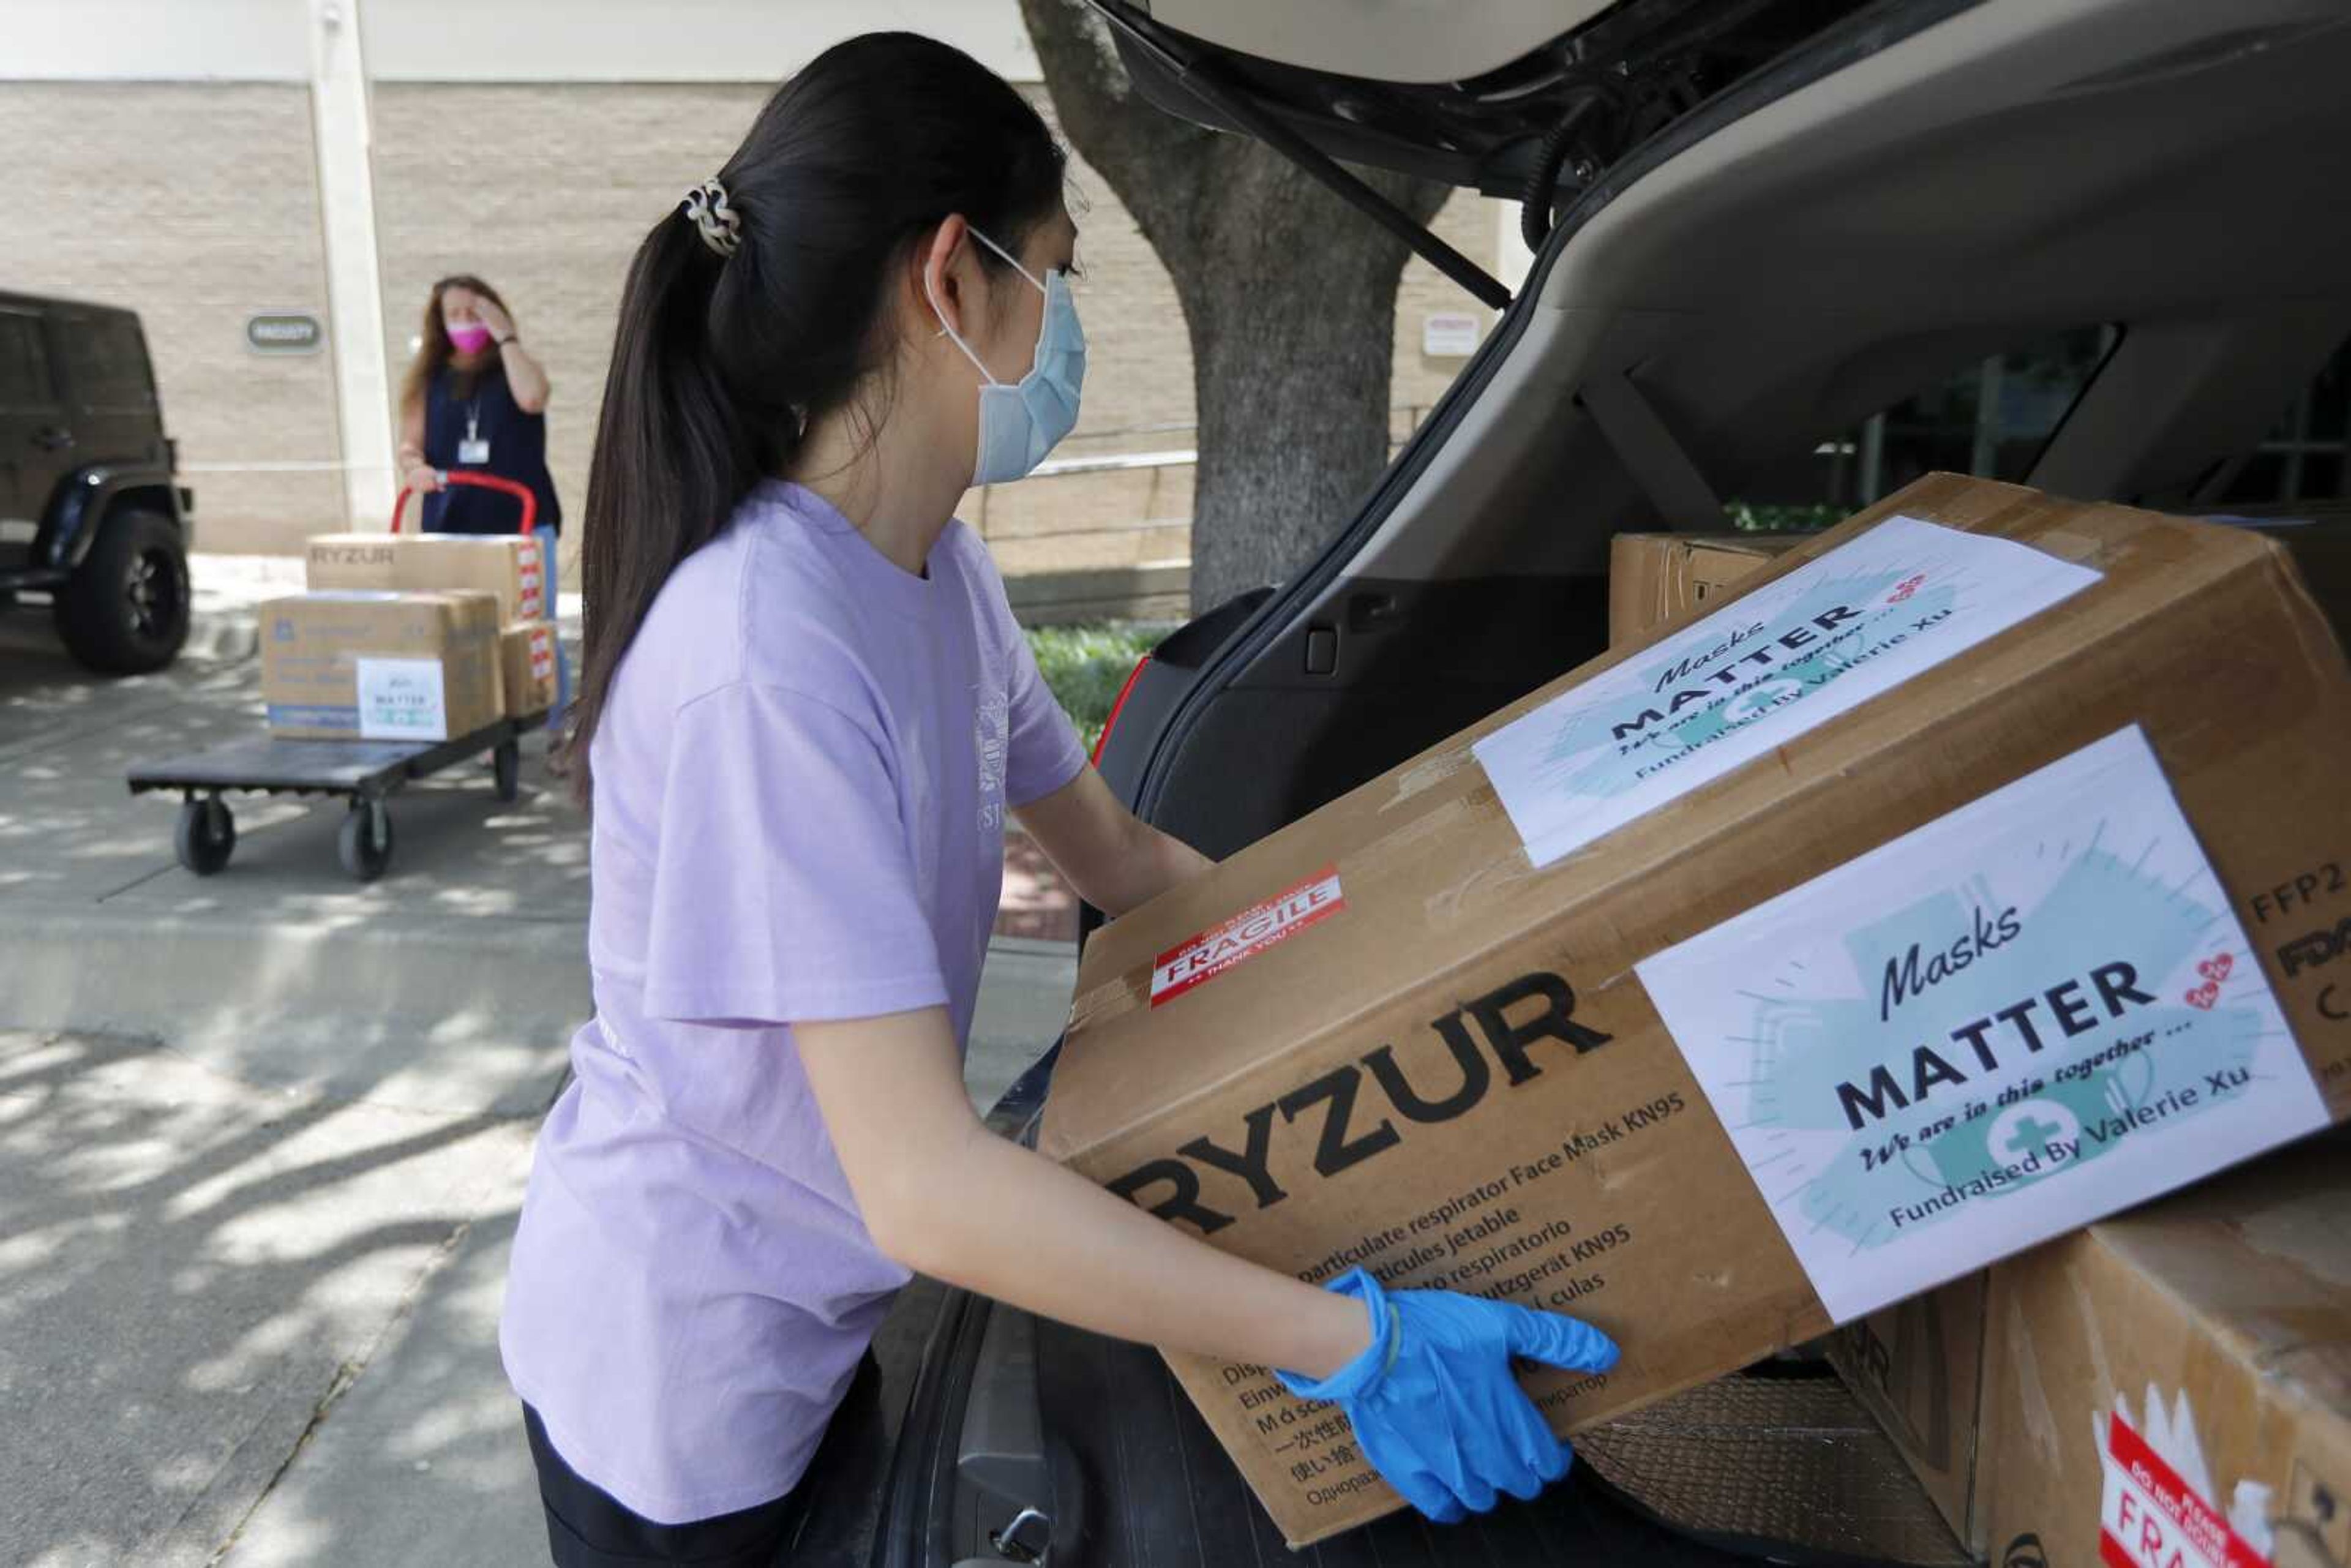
1434, 1406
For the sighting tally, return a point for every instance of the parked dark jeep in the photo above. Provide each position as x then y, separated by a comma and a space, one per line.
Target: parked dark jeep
89, 514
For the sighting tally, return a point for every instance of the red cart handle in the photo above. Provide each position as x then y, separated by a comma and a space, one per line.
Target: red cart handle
485, 481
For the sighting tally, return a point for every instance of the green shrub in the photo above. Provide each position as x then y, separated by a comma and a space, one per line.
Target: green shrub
1086, 665
1749, 516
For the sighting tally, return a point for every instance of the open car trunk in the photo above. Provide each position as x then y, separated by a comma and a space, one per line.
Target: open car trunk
1848, 207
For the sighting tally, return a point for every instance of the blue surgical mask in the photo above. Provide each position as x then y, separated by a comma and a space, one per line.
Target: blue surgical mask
1018, 424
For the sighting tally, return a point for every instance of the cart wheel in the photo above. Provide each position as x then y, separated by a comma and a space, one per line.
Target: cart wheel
365, 842
207, 835
507, 763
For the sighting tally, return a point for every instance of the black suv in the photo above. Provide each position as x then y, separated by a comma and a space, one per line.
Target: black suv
89, 514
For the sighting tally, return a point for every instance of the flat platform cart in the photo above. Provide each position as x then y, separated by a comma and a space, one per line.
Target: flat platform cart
367, 773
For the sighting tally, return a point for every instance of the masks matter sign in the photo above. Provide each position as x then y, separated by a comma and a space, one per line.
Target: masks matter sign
1784, 659
2044, 992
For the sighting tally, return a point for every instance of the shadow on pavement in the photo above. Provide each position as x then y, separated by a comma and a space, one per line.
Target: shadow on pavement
263, 1137
190, 1272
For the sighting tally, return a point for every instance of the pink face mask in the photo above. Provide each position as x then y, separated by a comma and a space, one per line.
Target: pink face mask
468, 336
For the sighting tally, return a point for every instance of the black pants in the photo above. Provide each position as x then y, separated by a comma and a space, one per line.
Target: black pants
593, 1529
586, 1527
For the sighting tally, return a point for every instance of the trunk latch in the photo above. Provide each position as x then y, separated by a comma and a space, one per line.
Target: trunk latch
1026, 1540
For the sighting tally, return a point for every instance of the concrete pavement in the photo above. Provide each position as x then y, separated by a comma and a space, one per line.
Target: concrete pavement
191, 1267
262, 1140
423, 1460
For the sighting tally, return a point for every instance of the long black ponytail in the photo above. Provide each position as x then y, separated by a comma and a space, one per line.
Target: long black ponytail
720, 362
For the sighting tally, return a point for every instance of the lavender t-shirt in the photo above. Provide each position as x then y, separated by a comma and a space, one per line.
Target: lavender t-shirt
800, 776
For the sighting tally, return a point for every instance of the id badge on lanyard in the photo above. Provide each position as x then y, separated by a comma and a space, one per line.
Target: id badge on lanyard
473, 449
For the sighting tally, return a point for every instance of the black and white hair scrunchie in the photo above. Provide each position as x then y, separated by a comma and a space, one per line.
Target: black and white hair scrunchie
720, 226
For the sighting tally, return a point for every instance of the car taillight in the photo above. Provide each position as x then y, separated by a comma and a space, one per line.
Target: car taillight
1118, 707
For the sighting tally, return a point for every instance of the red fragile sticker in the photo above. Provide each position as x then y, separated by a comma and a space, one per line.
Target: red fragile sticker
1245, 934
2150, 1518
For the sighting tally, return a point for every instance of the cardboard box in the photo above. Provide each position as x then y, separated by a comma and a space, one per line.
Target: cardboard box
1652, 577
1581, 1010
526, 665
363, 563
2318, 536
510, 565
350, 664
2172, 1389
1918, 1368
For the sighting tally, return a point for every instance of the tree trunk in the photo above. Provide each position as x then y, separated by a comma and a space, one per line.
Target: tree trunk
1289, 298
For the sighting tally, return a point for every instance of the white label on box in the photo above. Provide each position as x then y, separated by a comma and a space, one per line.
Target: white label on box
2027, 1014
401, 699
1784, 659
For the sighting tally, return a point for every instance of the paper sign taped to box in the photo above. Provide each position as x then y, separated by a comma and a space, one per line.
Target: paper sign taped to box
401, 699
2044, 992
1784, 659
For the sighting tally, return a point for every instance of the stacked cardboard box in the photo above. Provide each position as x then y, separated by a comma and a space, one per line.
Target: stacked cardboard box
1888, 920
359, 563
1654, 578
2170, 1388
1953, 1375
346, 664
510, 568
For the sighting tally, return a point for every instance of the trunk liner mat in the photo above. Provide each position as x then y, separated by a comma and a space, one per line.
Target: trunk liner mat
1690, 1483
1788, 1466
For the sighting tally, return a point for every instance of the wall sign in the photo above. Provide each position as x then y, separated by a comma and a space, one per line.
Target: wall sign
284, 332
1449, 334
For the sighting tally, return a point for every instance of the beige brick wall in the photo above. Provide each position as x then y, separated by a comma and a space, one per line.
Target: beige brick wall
208, 211
545, 190
196, 205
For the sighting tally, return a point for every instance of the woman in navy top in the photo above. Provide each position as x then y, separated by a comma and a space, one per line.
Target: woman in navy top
475, 400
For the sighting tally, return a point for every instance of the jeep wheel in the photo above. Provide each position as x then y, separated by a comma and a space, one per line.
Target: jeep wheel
125, 612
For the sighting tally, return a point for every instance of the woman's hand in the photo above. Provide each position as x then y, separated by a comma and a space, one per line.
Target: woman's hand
424, 479
1433, 1402
1425, 1375
526, 377
495, 318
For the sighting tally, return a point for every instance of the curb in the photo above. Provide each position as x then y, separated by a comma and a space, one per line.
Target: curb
1033, 947
458, 1016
